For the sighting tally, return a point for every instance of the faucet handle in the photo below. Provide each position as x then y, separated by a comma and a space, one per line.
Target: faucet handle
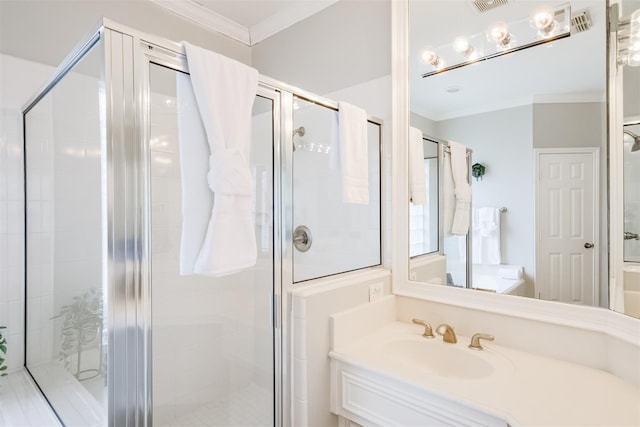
448, 335
475, 340
428, 332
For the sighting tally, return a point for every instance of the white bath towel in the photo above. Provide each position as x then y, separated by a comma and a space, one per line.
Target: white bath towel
488, 221
354, 155
225, 90
460, 171
417, 181
449, 196
197, 198
485, 247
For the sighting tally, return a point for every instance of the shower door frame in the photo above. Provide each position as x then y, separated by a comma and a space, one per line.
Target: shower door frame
149, 50
126, 56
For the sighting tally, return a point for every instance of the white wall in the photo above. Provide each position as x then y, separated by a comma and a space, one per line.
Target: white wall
312, 307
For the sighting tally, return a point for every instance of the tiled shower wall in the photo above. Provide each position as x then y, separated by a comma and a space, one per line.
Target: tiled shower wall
19, 80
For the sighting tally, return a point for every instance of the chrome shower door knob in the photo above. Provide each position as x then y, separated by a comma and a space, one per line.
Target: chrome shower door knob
302, 238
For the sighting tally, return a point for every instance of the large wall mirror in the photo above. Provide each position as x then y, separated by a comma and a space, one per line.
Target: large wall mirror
533, 123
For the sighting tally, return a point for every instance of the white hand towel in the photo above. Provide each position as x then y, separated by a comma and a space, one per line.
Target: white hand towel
354, 156
460, 172
417, 181
486, 236
488, 221
225, 90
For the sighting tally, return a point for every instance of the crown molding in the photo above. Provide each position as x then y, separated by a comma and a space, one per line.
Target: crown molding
212, 21
285, 18
207, 18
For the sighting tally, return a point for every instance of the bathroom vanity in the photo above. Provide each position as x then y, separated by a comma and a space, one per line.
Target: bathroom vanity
384, 372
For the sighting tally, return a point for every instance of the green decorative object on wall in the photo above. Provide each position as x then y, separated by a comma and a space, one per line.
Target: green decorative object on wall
477, 171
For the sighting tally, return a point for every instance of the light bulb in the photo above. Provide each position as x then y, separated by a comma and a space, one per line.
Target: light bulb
543, 19
430, 57
498, 32
461, 44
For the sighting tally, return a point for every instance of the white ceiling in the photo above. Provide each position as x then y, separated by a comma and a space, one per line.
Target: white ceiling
568, 70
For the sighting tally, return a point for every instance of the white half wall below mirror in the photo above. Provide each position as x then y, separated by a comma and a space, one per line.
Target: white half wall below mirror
537, 124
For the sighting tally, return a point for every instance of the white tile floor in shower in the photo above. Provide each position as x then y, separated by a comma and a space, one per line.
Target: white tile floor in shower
22, 405
246, 407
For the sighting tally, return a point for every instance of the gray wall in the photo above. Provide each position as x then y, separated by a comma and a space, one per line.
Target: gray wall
427, 126
502, 141
569, 125
46, 31
331, 50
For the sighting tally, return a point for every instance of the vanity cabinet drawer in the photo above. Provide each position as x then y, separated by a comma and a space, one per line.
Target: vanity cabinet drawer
373, 399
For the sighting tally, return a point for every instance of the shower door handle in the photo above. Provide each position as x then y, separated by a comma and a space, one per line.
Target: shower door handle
302, 238
589, 245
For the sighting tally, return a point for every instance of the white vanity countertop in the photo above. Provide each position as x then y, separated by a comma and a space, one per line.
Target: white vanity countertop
523, 388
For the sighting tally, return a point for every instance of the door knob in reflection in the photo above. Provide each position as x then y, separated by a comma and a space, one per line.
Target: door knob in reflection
589, 245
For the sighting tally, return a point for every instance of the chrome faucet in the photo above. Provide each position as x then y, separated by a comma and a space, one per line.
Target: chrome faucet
475, 340
448, 335
428, 332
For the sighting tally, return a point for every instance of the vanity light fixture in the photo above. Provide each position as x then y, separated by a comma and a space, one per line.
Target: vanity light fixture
544, 25
628, 35
634, 39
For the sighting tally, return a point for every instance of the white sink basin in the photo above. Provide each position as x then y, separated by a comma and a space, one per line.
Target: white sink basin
439, 358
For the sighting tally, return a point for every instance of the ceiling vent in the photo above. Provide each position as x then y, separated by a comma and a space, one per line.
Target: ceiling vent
580, 22
485, 5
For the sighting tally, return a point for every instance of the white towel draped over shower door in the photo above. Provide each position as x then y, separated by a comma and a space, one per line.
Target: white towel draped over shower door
460, 171
349, 146
225, 90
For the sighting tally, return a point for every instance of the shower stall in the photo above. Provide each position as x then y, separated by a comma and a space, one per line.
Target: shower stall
114, 334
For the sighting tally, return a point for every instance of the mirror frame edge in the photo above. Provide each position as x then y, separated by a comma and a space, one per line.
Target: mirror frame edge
590, 318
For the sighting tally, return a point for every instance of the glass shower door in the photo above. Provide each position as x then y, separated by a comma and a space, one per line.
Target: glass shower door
212, 338
66, 337
631, 195
343, 236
